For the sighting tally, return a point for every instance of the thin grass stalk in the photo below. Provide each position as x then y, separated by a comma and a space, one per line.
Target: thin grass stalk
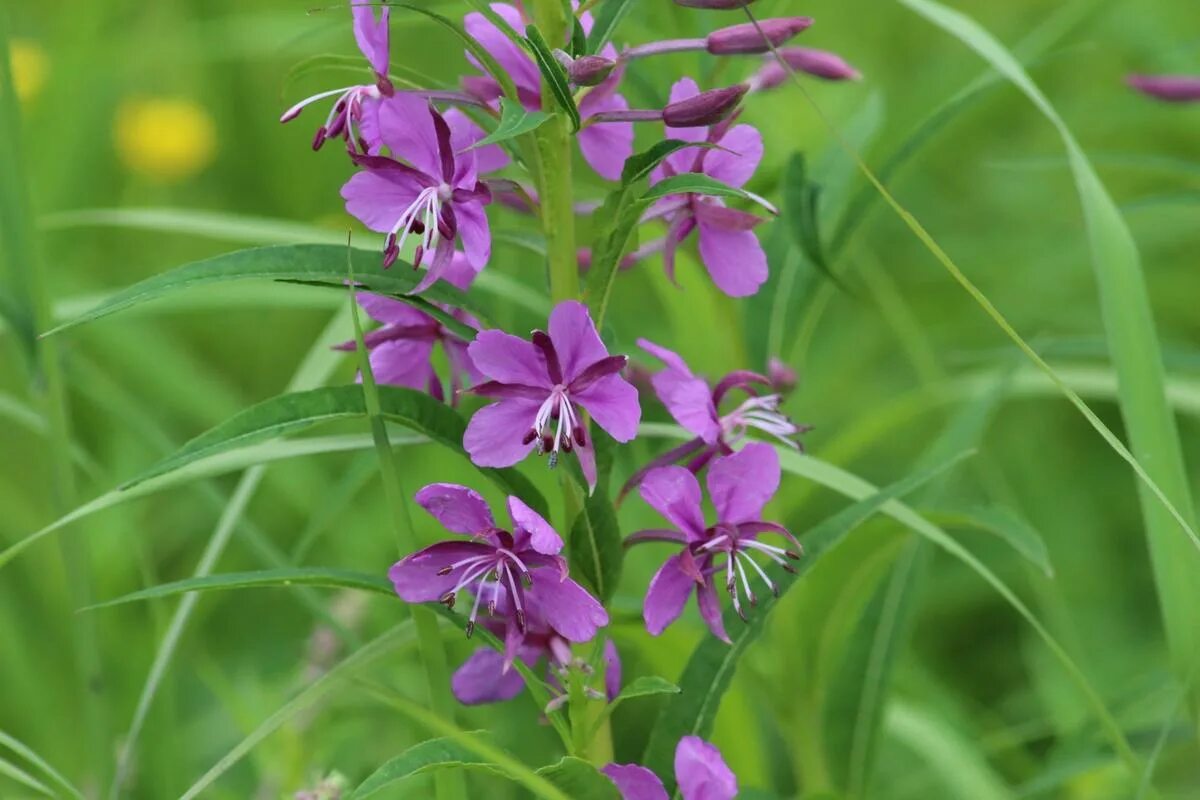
21, 251
448, 785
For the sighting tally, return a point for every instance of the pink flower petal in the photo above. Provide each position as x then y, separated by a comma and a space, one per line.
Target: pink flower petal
416, 577
684, 160
508, 359
537, 533
710, 610
458, 508
408, 131
575, 338
474, 232
494, 436
481, 679
370, 34
666, 597
378, 200
507, 53
635, 782
734, 259
736, 162
605, 147
741, 484
613, 403
674, 492
567, 607
403, 362
701, 771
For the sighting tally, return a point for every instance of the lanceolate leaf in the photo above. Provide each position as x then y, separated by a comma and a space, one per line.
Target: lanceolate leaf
1010, 528
514, 121
580, 780
554, 75
289, 576
427, 756
596, 550
710, 670
315, 264
289, 413
693, 183
640, 165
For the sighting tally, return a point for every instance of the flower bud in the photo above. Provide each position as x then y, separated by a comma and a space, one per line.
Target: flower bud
818, 63
706, 108
1172, 88
715, 4
590, 70
751, 38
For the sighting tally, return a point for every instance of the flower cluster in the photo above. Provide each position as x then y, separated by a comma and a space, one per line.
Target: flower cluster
431, 165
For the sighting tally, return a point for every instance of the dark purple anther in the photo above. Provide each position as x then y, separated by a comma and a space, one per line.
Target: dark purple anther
706, 108
751, 38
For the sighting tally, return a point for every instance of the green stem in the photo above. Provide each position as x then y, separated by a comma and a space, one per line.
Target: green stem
555, 191
449, 785
32, 312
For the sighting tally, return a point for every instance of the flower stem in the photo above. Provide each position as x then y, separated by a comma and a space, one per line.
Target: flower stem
448, 784
30, 310
555, 191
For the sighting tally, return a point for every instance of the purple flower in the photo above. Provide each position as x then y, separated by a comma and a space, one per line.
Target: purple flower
484, 677
435, 193
494, 559
402, 349
696, 407
542, 387
728, 247
1172, 88
739, 486
700, 771
605, 147
353, 116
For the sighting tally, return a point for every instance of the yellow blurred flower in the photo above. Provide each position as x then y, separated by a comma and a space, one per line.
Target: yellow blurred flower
163, 138
28, 68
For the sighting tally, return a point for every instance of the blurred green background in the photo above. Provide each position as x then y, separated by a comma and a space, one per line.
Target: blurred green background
169, 110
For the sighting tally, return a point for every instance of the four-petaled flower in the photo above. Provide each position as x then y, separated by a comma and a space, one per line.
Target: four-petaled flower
401, 351
605, 147
696, 407
354, 116
524, 561
728, 247
542, 387
700, 772
437, 194
739, 486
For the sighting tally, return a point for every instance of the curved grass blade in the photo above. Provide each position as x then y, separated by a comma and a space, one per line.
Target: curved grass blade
282, 578
33, 758
311, 264
393, 641
710, 669
952, 754
299, 410
534, 782
1136, 353
18, 775
435, 754
1011, 529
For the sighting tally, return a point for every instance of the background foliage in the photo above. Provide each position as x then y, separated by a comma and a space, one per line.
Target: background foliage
151, 140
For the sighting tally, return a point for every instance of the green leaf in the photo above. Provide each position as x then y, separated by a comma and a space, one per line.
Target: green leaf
710, 669
428, 756
596, 550
1002, 522
693, 183
514, 121
32, 757
1133, 341
640, 165
289, 413
313, 264
15, 773
386, 644
283, 578
553, 73
607, 19
579, 45
645, 686
580, 780
955, 756
801, 210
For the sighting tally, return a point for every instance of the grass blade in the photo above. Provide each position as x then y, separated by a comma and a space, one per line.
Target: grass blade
1133, 341
33, 758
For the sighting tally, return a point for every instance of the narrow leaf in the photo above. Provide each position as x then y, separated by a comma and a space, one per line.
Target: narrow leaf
290, 413
693, 183
554, 74
1013, 530
434, 754
282, 578
313, 264
514, 121
580, 780
596, 550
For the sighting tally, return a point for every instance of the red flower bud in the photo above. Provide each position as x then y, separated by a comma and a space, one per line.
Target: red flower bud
590, 70
751, 38
706, 108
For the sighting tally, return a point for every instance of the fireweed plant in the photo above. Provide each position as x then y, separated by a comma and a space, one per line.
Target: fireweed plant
432, 168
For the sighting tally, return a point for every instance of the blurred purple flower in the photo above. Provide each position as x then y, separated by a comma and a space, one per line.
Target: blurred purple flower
353, 116
443, 570
696, 407
700, 771
436, 193
739, 486
605, 147
728, 247
541, 386
1172, 88
402, 349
